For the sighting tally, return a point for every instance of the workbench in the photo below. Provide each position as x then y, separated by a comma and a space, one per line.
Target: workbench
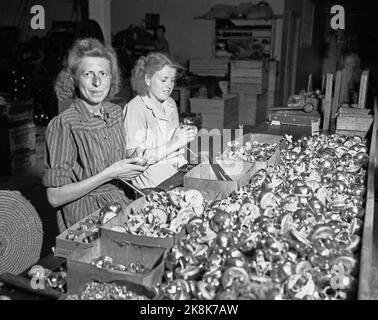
368, 286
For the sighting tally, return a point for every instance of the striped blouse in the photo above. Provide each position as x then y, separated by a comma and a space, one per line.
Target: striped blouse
79, 145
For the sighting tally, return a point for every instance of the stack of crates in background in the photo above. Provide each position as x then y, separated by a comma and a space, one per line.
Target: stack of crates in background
215, 67
17, 136
249, 79
216, 113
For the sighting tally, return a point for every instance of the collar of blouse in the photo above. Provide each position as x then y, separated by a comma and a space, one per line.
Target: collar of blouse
168, 108
86, 115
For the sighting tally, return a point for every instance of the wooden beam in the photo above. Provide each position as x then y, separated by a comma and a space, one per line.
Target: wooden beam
363, 89
100, 10
368, 269
327, 101
336, 96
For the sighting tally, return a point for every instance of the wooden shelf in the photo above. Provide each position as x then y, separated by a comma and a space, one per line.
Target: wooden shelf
245, 30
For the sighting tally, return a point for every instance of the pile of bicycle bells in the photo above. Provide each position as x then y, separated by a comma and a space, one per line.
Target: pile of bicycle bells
293, 233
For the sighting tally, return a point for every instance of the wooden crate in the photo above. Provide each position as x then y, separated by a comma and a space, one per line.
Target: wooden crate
217, 112
295, 118
203, 177
354, 123
137, 205
249, 73
18, 138
16, 112
252, 109
245, 88
217, 67
18, 161
80, 270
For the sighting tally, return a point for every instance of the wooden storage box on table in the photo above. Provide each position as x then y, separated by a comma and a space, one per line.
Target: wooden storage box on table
64, 247
250, 72
263, 138
252, 108
249, 80
216, 67
16, 112
17, 137
217, 112
21, 137
354, 121
17, 161
137, 205
295, 118
203, 177
81, 271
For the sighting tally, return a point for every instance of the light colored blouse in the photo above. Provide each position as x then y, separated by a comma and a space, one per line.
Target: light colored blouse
146, 123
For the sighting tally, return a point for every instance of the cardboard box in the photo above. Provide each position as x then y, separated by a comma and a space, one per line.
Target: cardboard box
80, 270
203, 177
137, 205
64, 247
264, 138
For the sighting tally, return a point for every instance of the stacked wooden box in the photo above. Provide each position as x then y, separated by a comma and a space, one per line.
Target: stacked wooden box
217, 113
216, 67
354, 121
17, 137
272, 85
249, 81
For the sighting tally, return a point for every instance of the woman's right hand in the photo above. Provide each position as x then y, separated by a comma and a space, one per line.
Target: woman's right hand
185, 134
126, 169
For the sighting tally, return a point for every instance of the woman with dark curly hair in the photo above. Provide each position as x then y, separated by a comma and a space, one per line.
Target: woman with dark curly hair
85, 148
152, 121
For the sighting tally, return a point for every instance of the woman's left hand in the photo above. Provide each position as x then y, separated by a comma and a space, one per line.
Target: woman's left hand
151, 156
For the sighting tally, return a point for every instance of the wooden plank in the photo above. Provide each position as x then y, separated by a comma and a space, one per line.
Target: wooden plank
254, 73
363, 90
365, 285
327, 101
246, 88
249, 64
336, 97
354, 111
246, 80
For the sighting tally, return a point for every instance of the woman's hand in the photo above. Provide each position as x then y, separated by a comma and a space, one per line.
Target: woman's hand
184, 134
126, 169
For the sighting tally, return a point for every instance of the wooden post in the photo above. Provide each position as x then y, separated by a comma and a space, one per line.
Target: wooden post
309, 83
336, 96
363, 89
100, 10
327, 101
322, 88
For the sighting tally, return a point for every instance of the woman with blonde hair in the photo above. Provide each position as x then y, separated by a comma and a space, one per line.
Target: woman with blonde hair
85, 147
151, 120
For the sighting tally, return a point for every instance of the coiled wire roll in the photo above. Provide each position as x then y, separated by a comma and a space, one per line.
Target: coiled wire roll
21, 233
